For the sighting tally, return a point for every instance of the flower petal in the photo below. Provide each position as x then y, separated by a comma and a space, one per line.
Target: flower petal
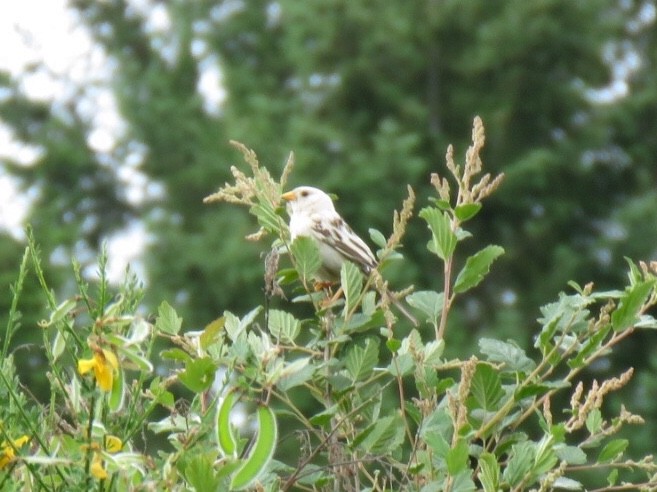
110, 359
97, 469
104, 376
20, 441
86, 365
113, 444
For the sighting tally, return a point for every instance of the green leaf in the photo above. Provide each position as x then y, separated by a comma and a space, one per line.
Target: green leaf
438, 422
567, 315
402, 365
351, 280
295, 373
546, 458
531, 390
287, 276
462, 234
267, 216
117, 395
360, 361
199, 471
594, 421
549, 329
613, 450
233, 326
223, 431
261, 452
646, 321
506, 352
368, 304
520, 463
476, 267
283, 326
142, 362
175, 354
168, 320
236, 327
627, 312
211, 332
377, 238
461, 483
433, 351
383, 435
486, 388
443, 240
571, 454
198, 375
437, 443
592, 344
467, 211
324, 417
489, 473
429, 302
566, 483
140, 331
558, 431
443, 385
58, 344
457, 457
306, 257
61, 312
441, 204
160, 393
171, 423
46, 460
634, 274
393, 345
360, 322
612, 478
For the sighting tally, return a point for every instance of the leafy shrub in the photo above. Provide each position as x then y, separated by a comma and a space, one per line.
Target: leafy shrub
343, 399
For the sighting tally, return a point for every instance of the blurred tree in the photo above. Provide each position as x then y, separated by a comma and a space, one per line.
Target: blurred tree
369, 94
76, 203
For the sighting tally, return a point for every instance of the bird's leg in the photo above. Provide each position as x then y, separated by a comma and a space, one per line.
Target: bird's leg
329, 301
331, 298
322, 285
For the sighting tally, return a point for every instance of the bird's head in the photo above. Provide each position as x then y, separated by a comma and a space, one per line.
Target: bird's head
308, 200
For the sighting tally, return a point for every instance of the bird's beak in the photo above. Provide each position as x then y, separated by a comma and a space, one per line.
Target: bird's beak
289, 196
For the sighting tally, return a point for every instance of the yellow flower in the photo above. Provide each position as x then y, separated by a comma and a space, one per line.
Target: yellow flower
8, 451
104, 364
97, 469
112, 445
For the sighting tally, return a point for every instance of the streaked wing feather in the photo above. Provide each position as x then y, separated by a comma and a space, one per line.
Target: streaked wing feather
337, 234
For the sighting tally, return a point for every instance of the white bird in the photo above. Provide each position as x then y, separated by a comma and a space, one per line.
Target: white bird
312, 214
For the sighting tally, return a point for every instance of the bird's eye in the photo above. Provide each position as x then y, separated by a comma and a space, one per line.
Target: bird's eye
304, 193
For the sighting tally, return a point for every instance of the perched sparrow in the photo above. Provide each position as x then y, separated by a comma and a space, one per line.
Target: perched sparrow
312, 214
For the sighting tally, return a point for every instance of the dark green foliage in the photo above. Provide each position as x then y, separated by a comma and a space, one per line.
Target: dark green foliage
367, 94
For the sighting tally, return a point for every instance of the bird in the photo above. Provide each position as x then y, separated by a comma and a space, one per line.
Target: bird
313, 214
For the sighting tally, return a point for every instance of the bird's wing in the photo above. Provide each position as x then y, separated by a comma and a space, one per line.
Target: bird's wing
336, 233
